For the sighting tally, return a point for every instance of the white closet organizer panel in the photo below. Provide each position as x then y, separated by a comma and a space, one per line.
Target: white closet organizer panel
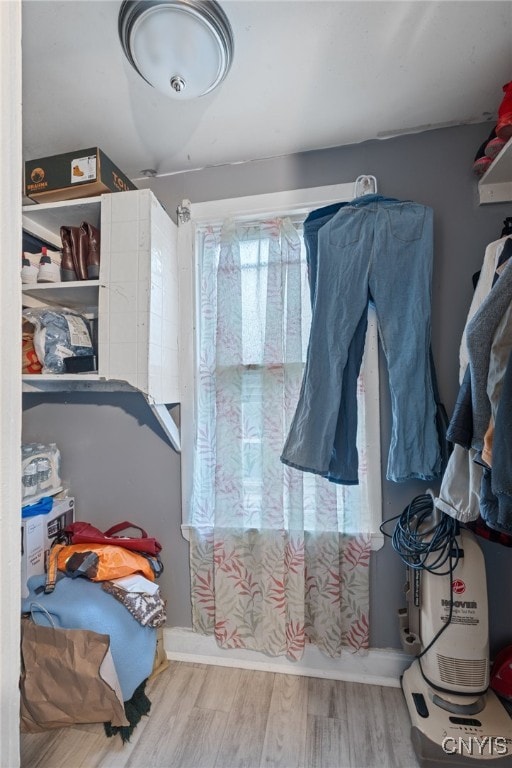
136, 298
495, 186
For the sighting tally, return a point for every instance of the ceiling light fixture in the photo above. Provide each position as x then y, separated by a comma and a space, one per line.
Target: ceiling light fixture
183, 48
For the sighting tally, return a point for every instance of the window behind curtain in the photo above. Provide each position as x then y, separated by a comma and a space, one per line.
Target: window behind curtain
265, 363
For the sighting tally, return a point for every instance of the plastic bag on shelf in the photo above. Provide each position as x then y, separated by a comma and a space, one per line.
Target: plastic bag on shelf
29, 360
40, 470
59, 333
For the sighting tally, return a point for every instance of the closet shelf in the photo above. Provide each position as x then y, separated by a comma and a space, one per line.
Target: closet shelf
72, 294
95, 382
495, 186
44, 220
65, 382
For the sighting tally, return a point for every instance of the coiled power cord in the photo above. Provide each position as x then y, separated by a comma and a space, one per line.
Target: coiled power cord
426, 539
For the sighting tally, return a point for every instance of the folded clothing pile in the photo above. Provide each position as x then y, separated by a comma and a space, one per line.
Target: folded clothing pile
83, 604
102, 585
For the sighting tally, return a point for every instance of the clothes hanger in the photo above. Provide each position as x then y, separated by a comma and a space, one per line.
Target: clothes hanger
505, 232
365, 185
507, 226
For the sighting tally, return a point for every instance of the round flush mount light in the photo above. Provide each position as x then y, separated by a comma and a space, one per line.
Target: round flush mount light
183, 48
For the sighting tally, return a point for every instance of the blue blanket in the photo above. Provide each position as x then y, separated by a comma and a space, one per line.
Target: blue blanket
82, 604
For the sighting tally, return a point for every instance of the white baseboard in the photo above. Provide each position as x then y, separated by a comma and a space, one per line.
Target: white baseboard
380, 666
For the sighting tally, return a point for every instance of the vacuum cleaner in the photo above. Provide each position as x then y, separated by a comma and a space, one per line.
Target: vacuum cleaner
456, 719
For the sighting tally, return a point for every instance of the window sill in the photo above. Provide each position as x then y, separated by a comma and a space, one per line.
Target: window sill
377, 538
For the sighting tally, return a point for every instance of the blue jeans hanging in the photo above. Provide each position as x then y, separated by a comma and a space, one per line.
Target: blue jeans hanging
380, 249
343, 466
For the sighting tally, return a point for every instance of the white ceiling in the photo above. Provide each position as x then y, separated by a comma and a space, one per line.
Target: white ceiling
305, 75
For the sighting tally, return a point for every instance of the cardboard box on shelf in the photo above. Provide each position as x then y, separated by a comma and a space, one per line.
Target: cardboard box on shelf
83, 173
37, 536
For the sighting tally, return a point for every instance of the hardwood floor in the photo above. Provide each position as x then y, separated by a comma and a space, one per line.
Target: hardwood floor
218, 717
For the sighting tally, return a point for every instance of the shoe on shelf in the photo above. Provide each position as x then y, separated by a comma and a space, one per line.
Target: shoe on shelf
81, 253
504, 124
483, 161
43, 267
92, 236
494, 147
49, 266
29, 271
68, 266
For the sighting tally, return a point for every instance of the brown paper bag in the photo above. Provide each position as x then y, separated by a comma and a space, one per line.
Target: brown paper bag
161, 661
68, 676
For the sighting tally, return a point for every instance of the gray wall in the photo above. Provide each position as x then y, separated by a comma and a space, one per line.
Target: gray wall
114, 454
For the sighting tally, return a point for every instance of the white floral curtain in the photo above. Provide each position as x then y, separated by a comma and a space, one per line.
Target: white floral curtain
279, 558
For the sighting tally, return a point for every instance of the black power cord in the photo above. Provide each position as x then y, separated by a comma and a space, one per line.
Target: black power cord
426, 539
